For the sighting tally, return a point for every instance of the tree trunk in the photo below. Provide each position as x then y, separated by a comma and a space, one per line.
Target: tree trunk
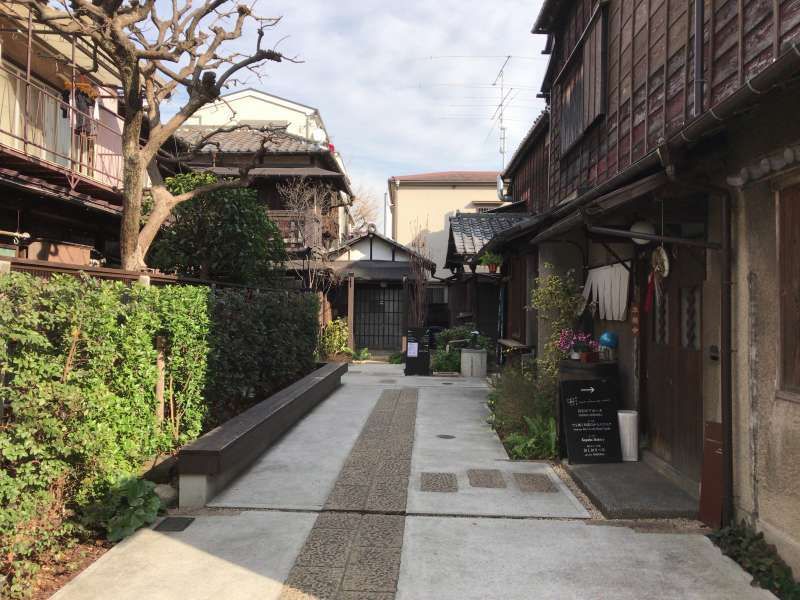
133, 167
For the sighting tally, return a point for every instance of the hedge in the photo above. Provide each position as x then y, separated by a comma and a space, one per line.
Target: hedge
77, 383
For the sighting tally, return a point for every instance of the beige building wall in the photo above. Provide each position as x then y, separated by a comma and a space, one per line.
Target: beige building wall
253, 105
766, 425
427, 208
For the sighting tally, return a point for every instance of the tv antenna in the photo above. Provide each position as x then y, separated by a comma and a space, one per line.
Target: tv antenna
501, 109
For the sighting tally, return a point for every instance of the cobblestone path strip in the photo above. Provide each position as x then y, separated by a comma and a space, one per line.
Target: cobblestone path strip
353, 549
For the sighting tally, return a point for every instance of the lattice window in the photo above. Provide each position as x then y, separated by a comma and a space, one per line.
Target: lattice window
691, 317
660, 321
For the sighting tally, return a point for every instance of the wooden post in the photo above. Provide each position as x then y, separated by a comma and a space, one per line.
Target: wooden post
161, 367
351, 310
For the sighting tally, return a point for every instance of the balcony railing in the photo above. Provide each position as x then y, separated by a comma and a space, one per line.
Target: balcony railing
37, 123
298, 231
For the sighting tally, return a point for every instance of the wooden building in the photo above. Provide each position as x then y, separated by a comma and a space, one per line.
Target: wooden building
671, 137
60, 145
372, 272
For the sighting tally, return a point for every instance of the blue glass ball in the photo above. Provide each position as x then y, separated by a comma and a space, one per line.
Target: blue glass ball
609, 339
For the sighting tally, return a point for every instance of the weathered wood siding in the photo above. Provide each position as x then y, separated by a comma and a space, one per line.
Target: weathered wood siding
530, 181
650, 76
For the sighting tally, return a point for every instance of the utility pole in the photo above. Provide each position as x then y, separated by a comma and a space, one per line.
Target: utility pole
385, 214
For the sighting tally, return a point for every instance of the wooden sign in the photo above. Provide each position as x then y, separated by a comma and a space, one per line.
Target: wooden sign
589, 421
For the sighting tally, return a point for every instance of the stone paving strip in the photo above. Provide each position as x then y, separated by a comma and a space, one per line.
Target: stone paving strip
353, 550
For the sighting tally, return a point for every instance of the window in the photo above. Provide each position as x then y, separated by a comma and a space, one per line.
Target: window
582, 83
436, 295
788, 259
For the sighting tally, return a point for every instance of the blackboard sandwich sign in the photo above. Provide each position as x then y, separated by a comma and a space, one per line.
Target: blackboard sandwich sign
589, 421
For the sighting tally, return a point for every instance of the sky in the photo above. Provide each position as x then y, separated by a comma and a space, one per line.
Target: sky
406, 86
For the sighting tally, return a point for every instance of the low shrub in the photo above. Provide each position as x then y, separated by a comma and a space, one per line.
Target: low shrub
523, 413
130, 504
333, 339
396, 359
446, 362
461, 332
538, 441
749, 548
362, 354
78, 407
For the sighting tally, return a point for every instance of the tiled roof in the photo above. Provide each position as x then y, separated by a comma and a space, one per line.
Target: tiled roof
450, 177
470, 232
249, 140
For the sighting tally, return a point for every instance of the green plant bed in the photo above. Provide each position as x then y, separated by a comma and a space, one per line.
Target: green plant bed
749, 548
79, 364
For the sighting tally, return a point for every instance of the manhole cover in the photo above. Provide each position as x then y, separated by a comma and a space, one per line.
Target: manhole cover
174, 524
447, 383
387, 381
446, 437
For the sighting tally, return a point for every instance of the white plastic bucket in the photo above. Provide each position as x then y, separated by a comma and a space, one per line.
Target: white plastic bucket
629, 434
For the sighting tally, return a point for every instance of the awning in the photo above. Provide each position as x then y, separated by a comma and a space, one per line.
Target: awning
604, 204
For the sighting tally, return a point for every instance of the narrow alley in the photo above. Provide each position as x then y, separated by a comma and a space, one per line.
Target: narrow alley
395, 487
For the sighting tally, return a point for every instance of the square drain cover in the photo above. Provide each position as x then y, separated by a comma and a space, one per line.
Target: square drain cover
174, 524
486, 478
535, 482
439, 482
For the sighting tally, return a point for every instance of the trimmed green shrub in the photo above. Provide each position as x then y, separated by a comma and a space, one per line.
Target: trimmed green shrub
130, 504
461, 332
333, 339
77, 385
446, 362
225, 235
396, 359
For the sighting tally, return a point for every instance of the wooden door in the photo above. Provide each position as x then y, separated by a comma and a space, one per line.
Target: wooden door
674, 377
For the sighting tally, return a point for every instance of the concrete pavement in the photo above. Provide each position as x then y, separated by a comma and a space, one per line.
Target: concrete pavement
396, 487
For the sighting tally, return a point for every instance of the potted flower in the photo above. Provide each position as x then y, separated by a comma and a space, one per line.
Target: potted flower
491, 260
578, 345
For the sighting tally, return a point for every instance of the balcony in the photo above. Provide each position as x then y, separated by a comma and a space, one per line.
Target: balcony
47, 138
299, 232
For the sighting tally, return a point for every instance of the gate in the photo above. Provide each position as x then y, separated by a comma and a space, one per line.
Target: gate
378, 322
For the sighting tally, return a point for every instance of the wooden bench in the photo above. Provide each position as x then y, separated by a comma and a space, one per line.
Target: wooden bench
206, 465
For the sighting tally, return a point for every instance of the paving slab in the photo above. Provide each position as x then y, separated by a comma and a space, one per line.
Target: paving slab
452, 436
477, 559
299, 471
235, 557
633, 490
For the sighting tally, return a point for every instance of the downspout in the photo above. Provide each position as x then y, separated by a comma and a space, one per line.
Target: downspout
699, 34
726, 387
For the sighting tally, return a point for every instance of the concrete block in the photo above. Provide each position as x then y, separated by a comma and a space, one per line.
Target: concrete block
194, 491
473, 363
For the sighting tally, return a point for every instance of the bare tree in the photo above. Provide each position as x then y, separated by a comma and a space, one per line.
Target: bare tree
309, 203
363, 209
162, 50
419, 267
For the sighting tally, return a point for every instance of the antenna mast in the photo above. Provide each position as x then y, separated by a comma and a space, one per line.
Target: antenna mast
501, 108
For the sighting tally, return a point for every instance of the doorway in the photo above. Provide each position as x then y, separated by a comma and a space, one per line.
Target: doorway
378, 317
673, 394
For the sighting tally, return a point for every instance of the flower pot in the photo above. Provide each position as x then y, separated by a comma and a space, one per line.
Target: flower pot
586, 357
575, 355
492, 268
